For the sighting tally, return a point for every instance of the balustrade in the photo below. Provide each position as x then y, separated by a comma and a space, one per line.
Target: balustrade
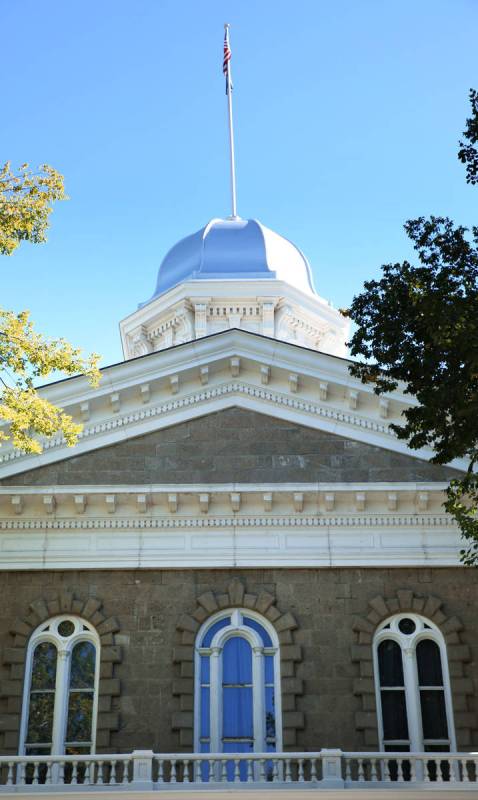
145, 770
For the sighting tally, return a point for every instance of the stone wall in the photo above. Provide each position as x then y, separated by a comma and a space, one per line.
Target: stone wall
325, 619
235, 445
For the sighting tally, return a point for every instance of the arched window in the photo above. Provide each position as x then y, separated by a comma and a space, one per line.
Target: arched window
237, 697
61, 688
412, 685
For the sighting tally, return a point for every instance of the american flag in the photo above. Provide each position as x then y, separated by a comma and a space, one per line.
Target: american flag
226, 58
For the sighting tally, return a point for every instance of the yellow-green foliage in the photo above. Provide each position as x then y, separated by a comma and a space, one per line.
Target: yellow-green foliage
26, 354
25, 205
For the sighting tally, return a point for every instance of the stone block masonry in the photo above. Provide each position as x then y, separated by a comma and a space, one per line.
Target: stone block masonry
325, 619
234, 445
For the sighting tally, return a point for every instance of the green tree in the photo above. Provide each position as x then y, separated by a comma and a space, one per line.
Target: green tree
468, 152
418, 325
25, 205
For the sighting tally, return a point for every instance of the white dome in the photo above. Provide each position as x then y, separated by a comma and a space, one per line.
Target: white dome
234, 249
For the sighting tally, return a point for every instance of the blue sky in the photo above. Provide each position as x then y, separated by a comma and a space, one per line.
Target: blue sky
347, 120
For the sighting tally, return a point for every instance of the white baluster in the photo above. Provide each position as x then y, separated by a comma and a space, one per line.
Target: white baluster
237, 772
288, 775
160, 770
197, 770
35, 772
348, 769
464, 771
262, 770
276, 769
74, 772
300, 774
100, 776
88, 776
386, 769
20, 774
313, 769
426, 769
439, 772
113, 771
186, 771
125, 775
413, 769
173, 771
373, 769
223, 774
250, 771
49, 772
361, 773
400, 770
9, 781
454, 770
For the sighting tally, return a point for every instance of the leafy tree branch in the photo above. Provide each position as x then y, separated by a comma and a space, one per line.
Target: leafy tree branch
25, 205
418, 326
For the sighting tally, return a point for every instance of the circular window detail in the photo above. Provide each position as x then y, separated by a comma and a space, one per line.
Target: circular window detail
407, 626
66, 628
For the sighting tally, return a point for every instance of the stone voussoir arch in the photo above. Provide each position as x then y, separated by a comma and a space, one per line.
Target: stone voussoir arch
285, 624
379, 608
14, 657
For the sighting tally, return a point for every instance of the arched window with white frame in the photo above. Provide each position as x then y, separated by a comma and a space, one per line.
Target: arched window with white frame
61, 688
412, 686
237, 684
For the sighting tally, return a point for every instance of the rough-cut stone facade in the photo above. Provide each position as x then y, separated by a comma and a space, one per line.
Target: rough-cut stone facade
235, 445
331, 618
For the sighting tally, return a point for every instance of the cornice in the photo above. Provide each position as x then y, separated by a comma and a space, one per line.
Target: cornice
192, 505
213, 373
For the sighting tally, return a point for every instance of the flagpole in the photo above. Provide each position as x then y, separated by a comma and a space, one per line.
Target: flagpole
231, 129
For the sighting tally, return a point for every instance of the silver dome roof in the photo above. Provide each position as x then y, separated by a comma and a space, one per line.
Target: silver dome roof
234, 249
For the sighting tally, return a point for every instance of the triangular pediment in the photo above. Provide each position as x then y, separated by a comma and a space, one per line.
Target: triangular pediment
234, 446
297, 393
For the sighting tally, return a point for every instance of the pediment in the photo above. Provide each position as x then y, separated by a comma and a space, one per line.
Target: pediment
235, 445
293, 393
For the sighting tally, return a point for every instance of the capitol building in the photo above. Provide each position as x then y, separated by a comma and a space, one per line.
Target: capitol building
239, 579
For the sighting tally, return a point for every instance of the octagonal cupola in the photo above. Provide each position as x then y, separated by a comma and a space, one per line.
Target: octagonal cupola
234, 273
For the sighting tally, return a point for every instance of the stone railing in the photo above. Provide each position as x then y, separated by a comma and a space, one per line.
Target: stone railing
144, 770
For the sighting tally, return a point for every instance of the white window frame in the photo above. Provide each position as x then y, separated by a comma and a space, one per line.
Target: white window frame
48, 632
237, 628
408, 646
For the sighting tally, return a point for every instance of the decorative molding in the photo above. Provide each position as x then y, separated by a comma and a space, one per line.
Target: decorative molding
40, 610
177, 541
118, 523
237, 596
127, 421
319, 376
268, 306
458, 654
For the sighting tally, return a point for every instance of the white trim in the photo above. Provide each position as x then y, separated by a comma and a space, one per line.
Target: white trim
243, 525
193, 399
228, 542
70, 502
408, 644
236, 628
64, 647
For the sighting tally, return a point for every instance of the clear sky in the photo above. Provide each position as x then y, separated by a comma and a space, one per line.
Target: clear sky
347, 119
